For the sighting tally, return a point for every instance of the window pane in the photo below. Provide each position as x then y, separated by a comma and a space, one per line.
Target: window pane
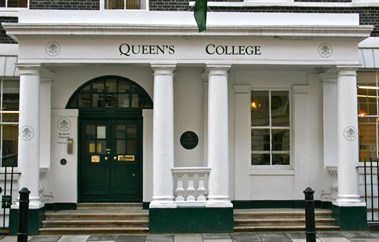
111, 85
367, 139
131, 146
17, 3
132, 131
2, 3
10, 117
367, 99
280, 140
260, 140
123, 100
121, 132
90, 131
10, 95
114, 4
260, 108
121, 147
98, 86
84, 100
280, 108
10, 139
260, 159
280, 159
132, 4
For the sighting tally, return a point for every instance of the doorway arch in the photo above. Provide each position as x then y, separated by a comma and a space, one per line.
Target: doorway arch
110, 139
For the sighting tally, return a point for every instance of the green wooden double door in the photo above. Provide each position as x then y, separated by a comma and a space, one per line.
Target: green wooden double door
110, 161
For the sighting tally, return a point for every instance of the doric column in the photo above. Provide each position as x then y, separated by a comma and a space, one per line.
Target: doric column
29, 132
347, 137
218, 141
163, 136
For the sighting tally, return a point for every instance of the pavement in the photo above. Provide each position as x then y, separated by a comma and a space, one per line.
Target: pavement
332, 236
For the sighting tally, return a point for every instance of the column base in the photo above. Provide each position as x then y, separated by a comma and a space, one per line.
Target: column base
162, 203
34, 223
350, 217
219, 204
191, 220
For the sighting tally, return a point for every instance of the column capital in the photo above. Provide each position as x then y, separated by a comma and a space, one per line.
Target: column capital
28, 69
163, 69
347, 70
218, 69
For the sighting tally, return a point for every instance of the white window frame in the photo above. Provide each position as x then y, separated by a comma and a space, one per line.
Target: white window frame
144, 6
271, 167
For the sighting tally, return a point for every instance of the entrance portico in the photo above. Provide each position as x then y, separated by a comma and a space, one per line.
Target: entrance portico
196, 185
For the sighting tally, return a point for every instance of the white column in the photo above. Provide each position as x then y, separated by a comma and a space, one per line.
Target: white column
347, 138
163, 137
29, 132
218, 141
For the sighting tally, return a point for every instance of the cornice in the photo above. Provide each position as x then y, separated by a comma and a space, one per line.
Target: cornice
17, 30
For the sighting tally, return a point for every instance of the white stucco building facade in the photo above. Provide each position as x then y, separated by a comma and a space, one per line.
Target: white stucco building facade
259, 107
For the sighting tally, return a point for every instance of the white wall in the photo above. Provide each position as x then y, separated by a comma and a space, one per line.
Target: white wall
190, 98
60, 181
189, 115
306, 125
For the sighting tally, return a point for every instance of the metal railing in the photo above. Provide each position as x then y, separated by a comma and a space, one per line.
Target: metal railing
371, 189
9, 162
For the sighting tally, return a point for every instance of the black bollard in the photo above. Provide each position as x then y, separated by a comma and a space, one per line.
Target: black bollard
23, 216
310, 223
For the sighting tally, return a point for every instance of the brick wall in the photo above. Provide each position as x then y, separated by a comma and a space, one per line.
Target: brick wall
65, 4
367, 15
4, 38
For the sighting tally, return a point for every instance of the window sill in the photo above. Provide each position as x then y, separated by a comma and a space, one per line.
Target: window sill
285, 3
271, 172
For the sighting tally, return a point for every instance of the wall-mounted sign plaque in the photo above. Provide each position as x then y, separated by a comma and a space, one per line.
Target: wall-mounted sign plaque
189, 140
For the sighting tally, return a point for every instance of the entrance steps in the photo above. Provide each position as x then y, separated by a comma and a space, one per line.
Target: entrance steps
97, 218
252, 220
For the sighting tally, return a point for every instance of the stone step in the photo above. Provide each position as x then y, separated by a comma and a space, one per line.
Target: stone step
94, 223
92, 215
280, 228
104, 218
105, 206
94, 230
283, 221
246, 220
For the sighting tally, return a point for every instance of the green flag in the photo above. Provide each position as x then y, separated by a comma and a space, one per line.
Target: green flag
200, 14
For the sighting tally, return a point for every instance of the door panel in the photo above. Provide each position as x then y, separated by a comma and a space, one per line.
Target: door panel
110, 166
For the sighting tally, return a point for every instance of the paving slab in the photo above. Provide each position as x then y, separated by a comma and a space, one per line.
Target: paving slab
245, 237
356, 235
102, 238
188, 238
211, 236
334, 240
130, 238
304, 240
74, 238
45, 238
10, 239
274, 237
217, 240
160, 238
